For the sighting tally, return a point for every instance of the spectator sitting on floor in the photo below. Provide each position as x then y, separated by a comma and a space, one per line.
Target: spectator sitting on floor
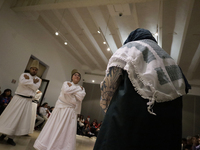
87, 121
86, 131
94, 121
195, 142
5, 99
44, 112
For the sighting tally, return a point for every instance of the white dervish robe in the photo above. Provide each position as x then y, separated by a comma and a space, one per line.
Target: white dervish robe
16, 118
59, 133
34, 111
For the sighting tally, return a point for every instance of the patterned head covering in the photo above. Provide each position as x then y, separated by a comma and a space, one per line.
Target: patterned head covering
140, 34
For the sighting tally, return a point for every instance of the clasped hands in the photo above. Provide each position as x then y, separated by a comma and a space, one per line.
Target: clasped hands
35, 80
69, 84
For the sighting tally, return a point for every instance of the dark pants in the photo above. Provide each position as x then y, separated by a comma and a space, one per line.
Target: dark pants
129, 126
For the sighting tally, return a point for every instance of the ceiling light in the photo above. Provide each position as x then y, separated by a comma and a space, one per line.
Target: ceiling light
65, 43
156, 34
92, 80
108, 49
104, 42
98, 31
56, 33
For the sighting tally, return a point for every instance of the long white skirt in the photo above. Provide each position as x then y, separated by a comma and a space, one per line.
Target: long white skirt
59, 133
16, 118
33, 118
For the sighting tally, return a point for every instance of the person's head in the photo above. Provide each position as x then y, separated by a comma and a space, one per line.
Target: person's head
75, 76
81, 116
88, 118
51, 109
184, 141
45, 105
195, 140
139, 34
189, 140
34, 67
7, 93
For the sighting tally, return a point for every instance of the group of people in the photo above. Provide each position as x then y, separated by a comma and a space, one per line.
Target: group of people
84, 127
191, 143
141, 95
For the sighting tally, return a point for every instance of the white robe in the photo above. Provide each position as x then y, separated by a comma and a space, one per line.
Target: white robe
59, 133
34, 111
16, 118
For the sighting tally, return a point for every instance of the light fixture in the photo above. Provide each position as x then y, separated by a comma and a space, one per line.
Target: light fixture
92, 80
56, 33
108, 49
156, 34
65, 43
104, 42
99, 32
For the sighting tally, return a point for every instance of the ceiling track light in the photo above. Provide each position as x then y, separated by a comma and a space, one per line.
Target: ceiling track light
56, 33
104, 39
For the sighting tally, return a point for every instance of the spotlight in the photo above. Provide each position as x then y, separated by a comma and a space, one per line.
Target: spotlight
108, 49
65, 43
92, 80
56, 33
156, 34
104, 42
99, 32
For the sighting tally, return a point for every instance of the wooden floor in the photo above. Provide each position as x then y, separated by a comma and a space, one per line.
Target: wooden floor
26, 142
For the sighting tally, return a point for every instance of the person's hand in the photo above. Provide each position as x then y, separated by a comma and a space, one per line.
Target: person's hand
81, 87
35, 80
26, 76
69, 84
38, 92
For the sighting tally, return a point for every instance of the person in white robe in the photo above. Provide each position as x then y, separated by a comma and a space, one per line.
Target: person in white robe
16, 118
34, 109
59, 133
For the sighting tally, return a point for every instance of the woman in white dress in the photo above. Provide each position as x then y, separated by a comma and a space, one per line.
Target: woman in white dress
59, 133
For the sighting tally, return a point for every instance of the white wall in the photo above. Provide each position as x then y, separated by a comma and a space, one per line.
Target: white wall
19, 39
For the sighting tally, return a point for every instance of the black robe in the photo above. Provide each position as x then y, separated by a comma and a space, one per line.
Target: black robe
129, 126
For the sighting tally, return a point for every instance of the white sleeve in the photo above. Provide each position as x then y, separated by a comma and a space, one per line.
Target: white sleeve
80, 94
29, 82
69, 90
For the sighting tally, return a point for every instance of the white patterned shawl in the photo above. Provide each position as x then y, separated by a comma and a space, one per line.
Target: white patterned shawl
152, 72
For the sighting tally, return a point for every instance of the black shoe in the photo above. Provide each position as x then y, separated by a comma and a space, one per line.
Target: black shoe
2, 137
11, 142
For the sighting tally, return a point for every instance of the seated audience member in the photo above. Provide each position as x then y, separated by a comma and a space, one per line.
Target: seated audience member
98, 128
87, 121
81, 121
195, 142
189, 143
198, 147
44, 112
5, 99
94, 128
39, 119
51, 109
94, 121
184, 143
86, 131
80, 125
